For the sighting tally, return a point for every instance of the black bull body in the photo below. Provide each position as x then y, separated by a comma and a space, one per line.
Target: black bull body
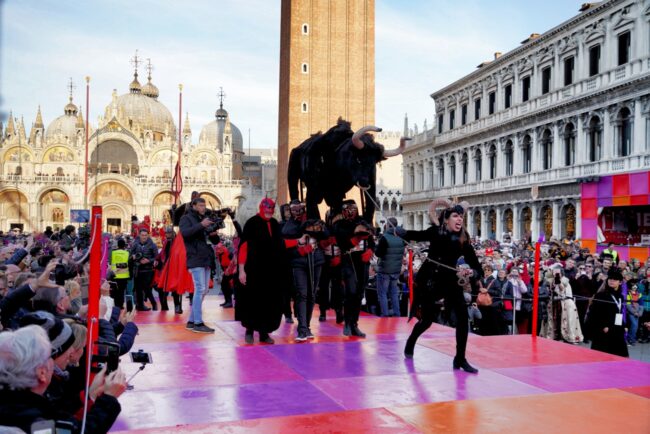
332, 163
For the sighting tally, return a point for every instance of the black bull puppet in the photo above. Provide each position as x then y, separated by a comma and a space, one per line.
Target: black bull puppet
331, 164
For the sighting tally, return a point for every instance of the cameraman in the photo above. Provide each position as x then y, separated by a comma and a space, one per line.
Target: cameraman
200, 257
143, 253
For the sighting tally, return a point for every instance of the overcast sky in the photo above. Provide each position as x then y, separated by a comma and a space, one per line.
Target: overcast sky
421, 46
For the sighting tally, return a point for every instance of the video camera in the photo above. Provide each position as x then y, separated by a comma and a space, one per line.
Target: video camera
217, 218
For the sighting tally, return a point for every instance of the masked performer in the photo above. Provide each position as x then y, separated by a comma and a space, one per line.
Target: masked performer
262, 261
449, 242
354, 238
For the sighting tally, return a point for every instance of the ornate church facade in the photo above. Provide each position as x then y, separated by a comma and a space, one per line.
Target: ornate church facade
132, 154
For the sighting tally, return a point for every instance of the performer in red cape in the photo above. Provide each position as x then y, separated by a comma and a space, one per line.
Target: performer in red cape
174, 276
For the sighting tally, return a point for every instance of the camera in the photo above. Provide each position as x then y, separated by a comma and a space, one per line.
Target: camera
52, 427
137, 256
217, 218
141, 357
108, 354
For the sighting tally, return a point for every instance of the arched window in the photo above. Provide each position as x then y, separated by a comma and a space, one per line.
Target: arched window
493, 161
569, 145
478, 158
509, 158
624, 124
547, 149
595, 131
464, 164
527, 151
452, 169
441, 173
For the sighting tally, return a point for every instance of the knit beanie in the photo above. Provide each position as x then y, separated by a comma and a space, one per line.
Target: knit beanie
60, 333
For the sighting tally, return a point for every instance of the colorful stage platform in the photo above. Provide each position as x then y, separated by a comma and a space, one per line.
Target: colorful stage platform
334, 384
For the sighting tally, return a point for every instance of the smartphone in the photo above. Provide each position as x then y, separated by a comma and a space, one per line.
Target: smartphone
141, 357
129, 302
107, 353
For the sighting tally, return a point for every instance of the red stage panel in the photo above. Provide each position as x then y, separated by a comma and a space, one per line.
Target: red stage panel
621, 185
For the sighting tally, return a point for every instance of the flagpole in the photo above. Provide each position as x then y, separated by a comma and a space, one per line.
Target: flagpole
86, 159
180, 124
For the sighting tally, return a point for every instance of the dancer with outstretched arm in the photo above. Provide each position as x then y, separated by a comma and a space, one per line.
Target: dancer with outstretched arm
440, 277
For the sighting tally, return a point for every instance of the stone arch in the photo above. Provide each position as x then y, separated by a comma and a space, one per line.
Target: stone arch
116, 217
492, 224
53, 207
14, 208
477, 223
568, 221
58, 154
526, 222
508, 221
112, 191
162, 157
114, 156
545, 218
160, 206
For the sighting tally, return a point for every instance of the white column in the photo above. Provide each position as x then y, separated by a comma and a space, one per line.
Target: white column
558, 146
578, 219
485, 168
581, 143
425, 220
500, 225
517, 155
501, 158
638, 136
607, 147
557, 206
535, 224
484, 224
536, 153
516, 224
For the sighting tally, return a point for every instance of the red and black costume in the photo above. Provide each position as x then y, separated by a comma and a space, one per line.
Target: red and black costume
262, 255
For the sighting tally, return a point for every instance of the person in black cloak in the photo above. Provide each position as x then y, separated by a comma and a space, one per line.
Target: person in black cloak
262, 264
605, 317
448, 243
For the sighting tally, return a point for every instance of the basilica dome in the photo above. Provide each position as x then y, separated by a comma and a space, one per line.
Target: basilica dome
65, 125
140, 112
215, 134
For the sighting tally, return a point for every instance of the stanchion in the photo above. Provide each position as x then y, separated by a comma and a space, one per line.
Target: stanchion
94, 278
538, 247
410, 281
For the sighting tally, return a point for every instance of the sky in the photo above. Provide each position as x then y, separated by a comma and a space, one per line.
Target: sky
421, 46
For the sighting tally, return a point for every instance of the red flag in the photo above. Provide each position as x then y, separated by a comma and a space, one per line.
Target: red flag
177, 182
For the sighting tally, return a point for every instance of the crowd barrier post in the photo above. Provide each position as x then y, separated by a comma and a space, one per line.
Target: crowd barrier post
94, 278
538, 247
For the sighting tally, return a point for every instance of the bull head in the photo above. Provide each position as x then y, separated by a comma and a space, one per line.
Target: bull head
358, 143
435, 204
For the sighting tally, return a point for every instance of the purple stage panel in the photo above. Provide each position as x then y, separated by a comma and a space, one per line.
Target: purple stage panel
173, 407
583, 376
206, 366
391, 390
356, 359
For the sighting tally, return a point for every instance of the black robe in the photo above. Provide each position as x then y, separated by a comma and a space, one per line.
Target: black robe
259, 303
602, 313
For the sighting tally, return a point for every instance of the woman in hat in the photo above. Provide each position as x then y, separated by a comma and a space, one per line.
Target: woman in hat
449, 242
605, 317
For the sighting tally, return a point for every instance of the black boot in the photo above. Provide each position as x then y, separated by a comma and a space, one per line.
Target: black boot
249, 337
356, 331
162, 295
347, 329
409, 348
339, 316
464, 365
178, 303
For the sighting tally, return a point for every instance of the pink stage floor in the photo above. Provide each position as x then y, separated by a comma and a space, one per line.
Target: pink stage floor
334, 384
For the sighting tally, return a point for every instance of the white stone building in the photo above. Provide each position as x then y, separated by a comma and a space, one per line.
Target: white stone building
517, 136
131, 158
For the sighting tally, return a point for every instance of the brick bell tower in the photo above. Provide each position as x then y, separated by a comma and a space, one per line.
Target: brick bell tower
327, 71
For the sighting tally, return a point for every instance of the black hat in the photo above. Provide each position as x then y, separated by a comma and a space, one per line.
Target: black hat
348, 202
615, 274
60, 333
453, 209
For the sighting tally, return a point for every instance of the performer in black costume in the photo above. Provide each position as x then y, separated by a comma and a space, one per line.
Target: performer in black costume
449, 241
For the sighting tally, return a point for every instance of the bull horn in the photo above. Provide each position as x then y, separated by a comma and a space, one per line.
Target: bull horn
437, 203
356, 137
397, 151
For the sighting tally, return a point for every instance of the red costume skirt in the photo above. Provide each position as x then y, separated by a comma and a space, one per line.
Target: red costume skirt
174, 276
